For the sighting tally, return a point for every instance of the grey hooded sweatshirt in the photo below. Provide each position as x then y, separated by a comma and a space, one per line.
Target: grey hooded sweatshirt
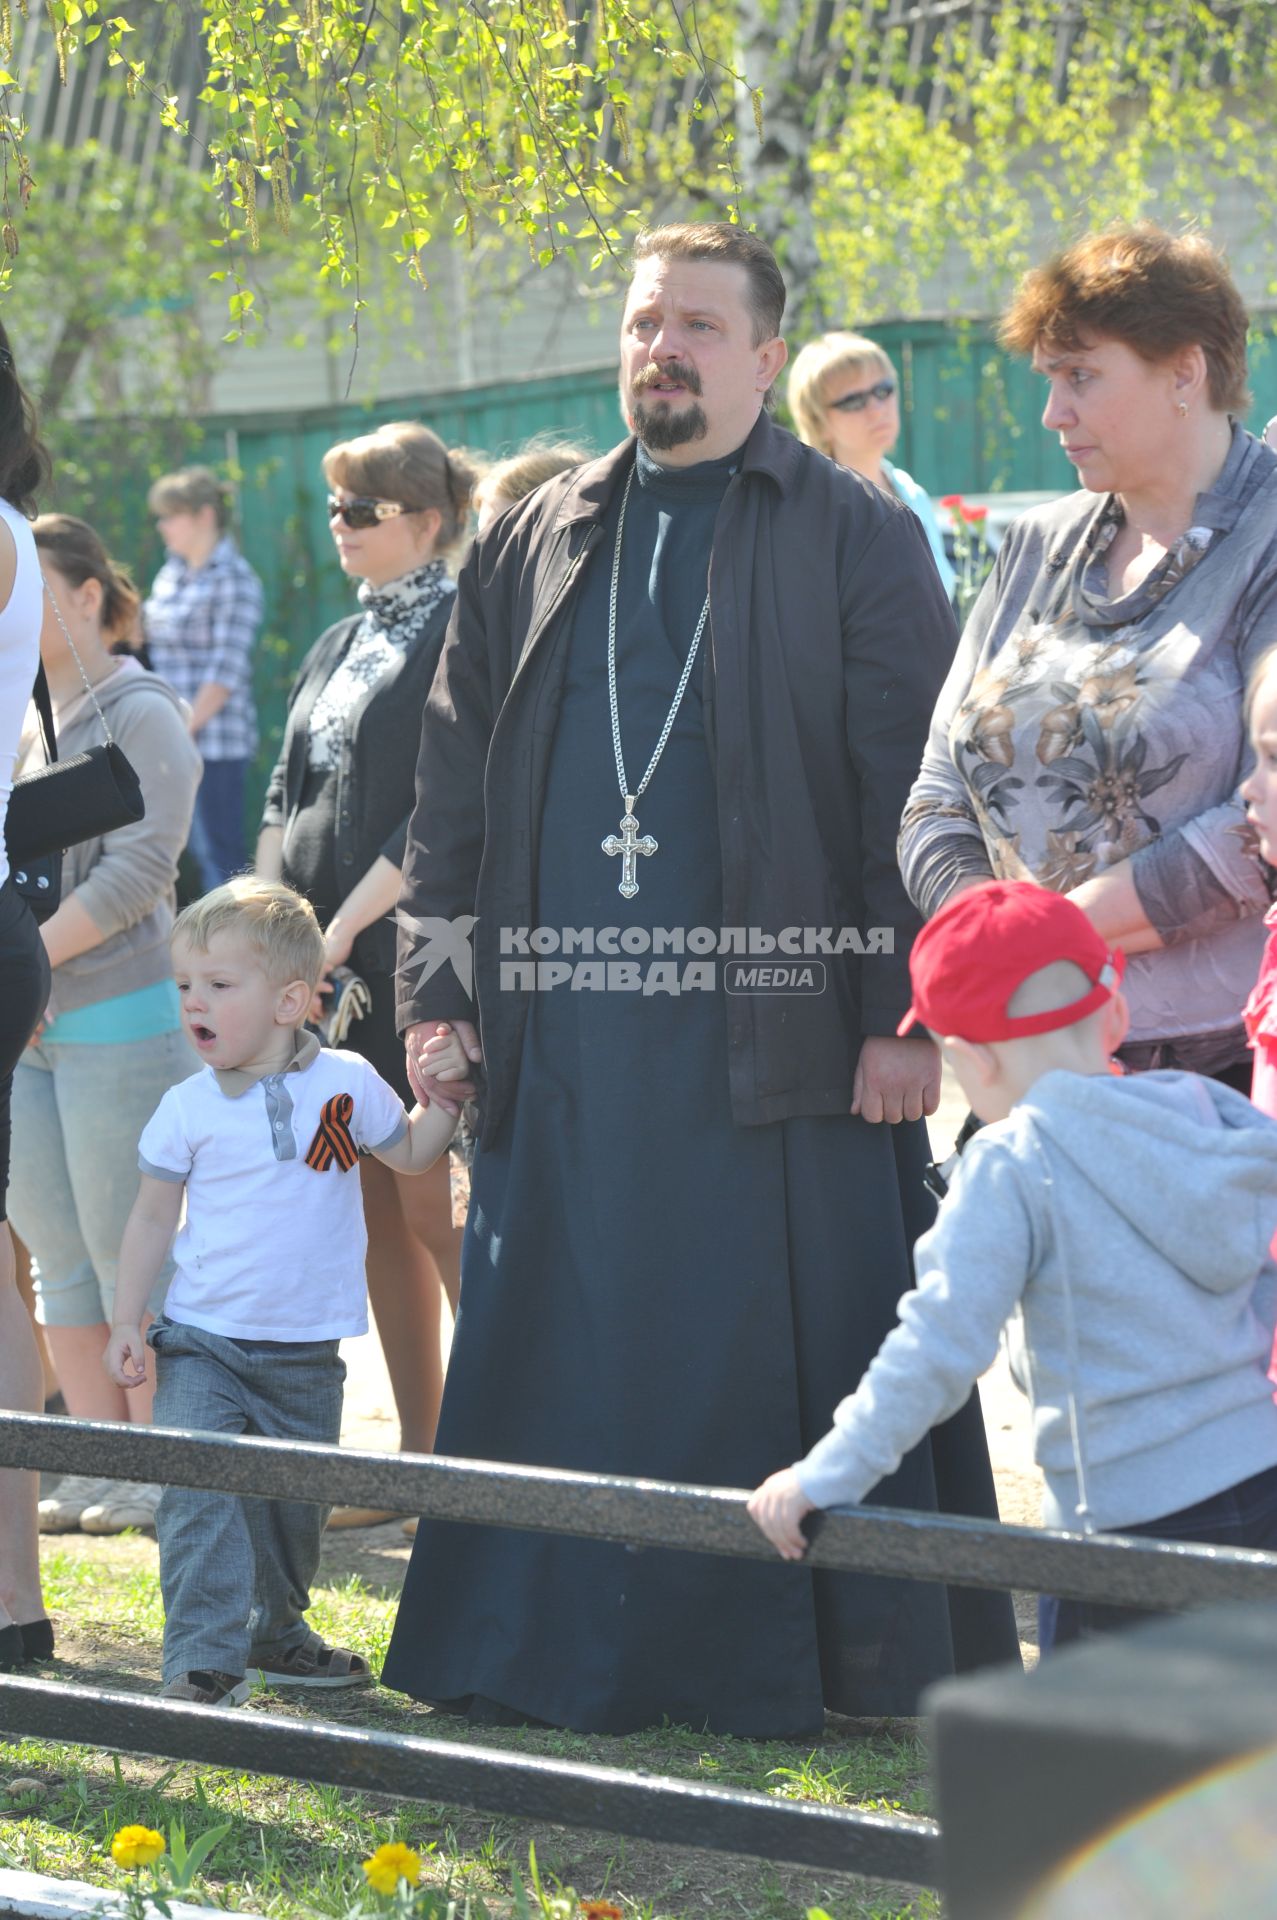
124, 881
1120, 1228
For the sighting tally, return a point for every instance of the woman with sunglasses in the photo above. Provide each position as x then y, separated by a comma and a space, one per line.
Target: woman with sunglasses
334, 826
844, 398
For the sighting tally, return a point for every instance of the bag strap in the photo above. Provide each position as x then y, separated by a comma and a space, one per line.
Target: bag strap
88, 684
44, 708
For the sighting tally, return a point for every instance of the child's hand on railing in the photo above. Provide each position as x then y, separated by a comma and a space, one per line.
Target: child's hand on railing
776, 1508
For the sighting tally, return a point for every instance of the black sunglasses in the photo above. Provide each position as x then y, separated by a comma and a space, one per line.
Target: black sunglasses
364, 512
857, 402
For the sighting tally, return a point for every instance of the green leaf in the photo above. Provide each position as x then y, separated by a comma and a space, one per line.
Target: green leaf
199, 1853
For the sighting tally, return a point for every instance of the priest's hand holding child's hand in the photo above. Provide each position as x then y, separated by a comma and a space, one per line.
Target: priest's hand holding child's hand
446, 1065
444, 1057
125, 1356
449, 1094
776, 1508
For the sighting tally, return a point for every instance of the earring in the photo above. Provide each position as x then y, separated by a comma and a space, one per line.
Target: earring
1181, 407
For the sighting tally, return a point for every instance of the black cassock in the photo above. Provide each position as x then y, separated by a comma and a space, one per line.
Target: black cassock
649, 1289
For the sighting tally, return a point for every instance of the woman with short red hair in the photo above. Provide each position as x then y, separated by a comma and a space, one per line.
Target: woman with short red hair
1090, 736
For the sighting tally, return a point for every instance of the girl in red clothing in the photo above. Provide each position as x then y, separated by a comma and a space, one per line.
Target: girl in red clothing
1259, 791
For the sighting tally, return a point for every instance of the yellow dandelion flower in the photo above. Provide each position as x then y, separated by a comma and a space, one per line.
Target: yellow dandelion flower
391, 1864
136, 1846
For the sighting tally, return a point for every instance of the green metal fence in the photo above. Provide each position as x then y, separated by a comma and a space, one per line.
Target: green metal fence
970, 424
282, 524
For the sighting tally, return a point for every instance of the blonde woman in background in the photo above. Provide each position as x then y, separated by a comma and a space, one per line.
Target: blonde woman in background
334, 826
845, 400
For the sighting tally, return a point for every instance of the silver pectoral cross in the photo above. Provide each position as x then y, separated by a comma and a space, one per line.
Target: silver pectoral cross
629, 846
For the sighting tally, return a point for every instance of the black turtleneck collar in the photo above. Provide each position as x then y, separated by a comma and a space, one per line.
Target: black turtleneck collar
706, 480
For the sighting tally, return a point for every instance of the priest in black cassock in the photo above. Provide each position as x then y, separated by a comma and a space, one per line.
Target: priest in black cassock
682, 699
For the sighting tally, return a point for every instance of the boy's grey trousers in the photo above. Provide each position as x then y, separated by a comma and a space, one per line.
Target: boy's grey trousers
235, 1571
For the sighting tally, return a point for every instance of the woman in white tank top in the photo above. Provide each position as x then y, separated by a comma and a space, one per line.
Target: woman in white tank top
25, 1633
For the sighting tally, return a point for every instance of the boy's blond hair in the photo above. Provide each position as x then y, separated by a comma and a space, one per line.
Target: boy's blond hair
535, 463
1260, 674
271, 918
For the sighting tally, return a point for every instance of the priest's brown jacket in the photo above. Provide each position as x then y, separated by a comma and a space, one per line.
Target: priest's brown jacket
829, 638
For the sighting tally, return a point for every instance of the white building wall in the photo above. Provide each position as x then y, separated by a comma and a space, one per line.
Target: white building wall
478, 322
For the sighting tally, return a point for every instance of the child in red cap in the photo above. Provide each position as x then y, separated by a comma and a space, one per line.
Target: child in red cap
1118, 1227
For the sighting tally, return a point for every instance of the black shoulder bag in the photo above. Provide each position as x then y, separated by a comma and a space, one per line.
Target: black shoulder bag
65, 801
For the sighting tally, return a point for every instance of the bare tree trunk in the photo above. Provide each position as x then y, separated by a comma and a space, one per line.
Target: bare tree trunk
775, 170
74, 340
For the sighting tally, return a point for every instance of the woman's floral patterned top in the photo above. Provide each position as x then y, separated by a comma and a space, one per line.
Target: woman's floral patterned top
1077, 730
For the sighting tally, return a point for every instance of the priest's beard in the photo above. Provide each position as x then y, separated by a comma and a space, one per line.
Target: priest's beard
659, 427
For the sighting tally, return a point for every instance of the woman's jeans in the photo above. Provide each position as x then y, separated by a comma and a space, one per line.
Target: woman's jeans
78, 1113
217, 825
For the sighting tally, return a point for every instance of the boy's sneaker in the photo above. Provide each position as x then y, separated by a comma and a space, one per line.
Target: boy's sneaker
125, 1503
202, 1688
62, 1510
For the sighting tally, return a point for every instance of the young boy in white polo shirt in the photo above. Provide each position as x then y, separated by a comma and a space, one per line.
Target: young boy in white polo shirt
264, 1145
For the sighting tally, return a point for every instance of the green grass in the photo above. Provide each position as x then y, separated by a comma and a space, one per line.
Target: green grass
295, 1849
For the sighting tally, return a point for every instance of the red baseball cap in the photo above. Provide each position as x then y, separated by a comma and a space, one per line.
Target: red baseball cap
968, 962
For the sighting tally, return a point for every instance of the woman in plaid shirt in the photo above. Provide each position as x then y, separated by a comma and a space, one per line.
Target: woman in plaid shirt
201, 623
